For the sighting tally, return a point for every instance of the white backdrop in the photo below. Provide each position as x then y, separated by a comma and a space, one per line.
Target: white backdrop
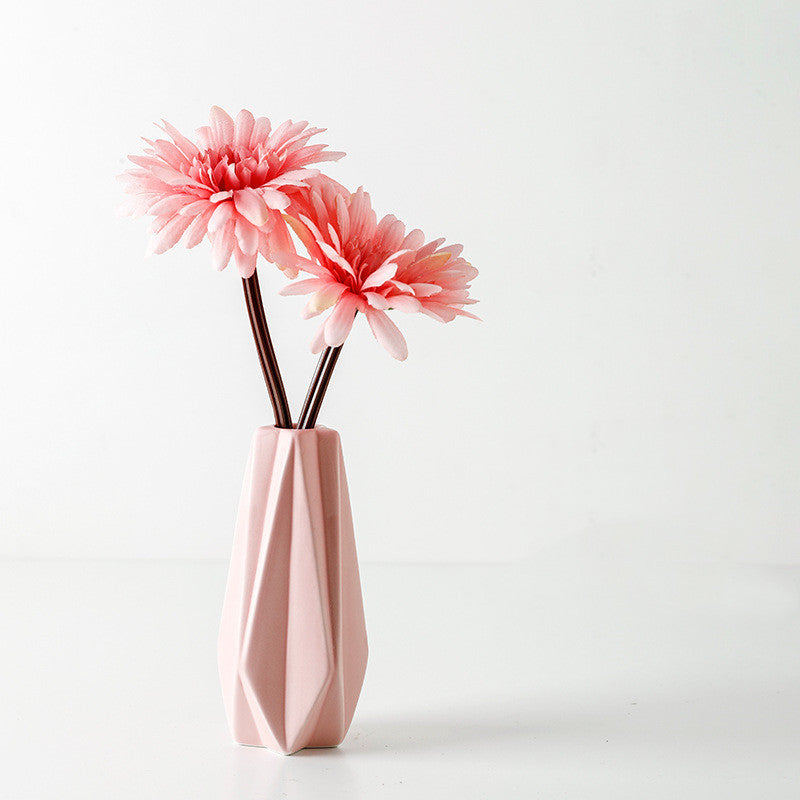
624, 175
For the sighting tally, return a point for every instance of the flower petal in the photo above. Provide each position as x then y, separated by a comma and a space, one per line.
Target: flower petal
414, 239
387, 334
221, 216
171, 204
187, 147
222, 246
197, 229
305, 286
197, 207
425, 289
251, 206
295, 262
243, 128
221, 126
323, 299
380, 276
335, 257
260, 133
305, 235
275, 199
339, 323
439, 312
169, 235
245, 262
404, 302
343, 218
318, 340
169, 153
247, 237
293, 177
376, 300
432, 263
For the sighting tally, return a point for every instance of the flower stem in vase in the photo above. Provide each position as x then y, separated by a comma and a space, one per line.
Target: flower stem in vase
266, 352
319, 385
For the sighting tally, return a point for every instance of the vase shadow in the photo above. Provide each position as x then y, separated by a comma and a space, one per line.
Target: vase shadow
443, 729
691, 712
258, 772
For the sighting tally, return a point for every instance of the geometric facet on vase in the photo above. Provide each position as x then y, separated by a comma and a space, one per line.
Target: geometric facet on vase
293, 641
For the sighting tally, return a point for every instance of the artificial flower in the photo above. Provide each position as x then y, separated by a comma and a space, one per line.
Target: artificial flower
231, 185
361, 264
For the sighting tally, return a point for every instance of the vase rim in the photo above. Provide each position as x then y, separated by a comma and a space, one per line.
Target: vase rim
294, 430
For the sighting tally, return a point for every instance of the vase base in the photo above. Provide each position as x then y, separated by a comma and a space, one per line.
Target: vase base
288, 752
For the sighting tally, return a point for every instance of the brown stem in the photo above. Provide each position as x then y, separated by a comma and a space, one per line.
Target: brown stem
319, 385
266, 352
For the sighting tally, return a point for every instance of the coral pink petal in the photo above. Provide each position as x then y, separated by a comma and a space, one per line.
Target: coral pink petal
222, 245
278, 235
339, 323
170, 205
380, 276
414, 239
318, 340
295, 177
439, 312
243, 128
342, 218
387, 334
260, 133
274, 199
187, 147
197, 229
247, 237
404, 302
251, 206
330, 155
245, 262
293, 261
376, 300
168, 152
197, 207
222, 214
302, 287
277, 136
221, 126
305, 235
425, 289
323, 299
169, 235
335, 257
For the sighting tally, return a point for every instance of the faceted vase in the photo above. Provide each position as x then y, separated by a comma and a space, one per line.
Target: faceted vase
293, 643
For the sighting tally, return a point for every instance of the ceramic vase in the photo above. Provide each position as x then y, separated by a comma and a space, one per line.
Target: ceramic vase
293, 643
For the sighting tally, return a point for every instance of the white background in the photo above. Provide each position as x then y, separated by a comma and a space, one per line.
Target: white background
624, 175
615, 449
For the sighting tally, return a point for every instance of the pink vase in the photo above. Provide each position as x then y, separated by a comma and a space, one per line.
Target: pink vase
293, 643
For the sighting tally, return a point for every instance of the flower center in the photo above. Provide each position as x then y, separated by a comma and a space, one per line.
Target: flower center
230, 168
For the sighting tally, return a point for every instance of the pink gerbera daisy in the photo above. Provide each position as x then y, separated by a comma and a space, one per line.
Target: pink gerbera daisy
230, 185
360, 264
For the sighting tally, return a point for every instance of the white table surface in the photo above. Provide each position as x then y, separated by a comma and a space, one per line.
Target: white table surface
567, 677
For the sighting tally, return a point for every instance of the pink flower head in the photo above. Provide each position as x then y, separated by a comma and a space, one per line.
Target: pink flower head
360, 264
231, 186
